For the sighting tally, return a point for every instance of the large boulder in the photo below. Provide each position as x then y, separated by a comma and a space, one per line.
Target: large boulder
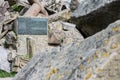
79, 60
92, 16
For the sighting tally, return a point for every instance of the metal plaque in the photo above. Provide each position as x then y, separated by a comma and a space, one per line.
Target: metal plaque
32, 26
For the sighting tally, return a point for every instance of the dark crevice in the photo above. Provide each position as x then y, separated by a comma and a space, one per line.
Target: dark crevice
50, 12
97, 20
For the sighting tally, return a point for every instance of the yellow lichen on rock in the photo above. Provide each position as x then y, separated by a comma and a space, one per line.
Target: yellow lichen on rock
106, 42
98, 70
89, 60
114, 45
59, 76
81, 67
53, 71
105, 54
88, 76
95, 56
115, 29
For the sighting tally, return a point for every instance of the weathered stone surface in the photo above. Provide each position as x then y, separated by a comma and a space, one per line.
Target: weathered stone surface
71, 34
68, 26
77, 61
55, 34
6, 78
4, 64
41, 42
63, 15
109, 70
1, 2
11, 56
74, 4
11, 38
30, 47
33, 10
56, 37
86, 7
3, 11
63, 33
18, 63
92, 16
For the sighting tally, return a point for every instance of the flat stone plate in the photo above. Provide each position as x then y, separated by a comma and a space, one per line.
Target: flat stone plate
32, 26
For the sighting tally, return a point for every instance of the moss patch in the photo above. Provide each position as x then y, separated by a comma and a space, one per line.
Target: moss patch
4, 74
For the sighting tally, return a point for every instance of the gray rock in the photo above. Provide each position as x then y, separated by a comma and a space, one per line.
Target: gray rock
4, 64
92, 16
74, 4
55, 34
86, 7
1, 2
63, 33
11, 38
56, 37
6, 78
68, 26
64, 64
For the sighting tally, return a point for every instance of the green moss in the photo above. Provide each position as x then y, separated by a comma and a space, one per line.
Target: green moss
17, 7
48, 29
25, 57
4, 74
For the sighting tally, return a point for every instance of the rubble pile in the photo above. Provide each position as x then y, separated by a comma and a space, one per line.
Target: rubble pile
7, 36
95, 58
20, 48
60, 39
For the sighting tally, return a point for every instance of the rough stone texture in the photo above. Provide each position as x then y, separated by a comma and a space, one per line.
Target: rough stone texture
92, 16
74, 4
109, 70
86, 7
6, 78
41, 41
79, 60
71, 34
4, 14
63, 33
1, 1
55, 33
4, 64
63, 15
